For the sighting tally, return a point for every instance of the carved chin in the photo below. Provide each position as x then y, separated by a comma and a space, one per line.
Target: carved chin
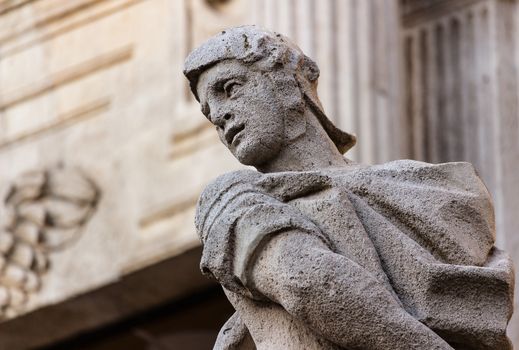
253, 154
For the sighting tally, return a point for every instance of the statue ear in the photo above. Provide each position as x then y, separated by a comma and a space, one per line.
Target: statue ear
295, 122
295, 125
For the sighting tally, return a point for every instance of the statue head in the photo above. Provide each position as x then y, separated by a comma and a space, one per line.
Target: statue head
255, 86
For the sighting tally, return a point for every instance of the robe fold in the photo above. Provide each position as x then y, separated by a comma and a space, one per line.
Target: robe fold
425, 232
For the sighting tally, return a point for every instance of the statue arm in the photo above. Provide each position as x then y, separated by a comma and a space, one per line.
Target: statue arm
336, 297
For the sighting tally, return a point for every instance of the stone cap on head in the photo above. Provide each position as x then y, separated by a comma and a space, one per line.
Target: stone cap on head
249, 44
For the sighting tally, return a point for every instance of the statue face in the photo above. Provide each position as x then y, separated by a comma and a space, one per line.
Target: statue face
247, 109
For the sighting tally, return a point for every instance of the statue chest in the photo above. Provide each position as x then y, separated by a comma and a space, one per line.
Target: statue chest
332, 211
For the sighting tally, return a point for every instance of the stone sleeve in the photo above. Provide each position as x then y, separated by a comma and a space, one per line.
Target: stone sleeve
235, 218
258, 225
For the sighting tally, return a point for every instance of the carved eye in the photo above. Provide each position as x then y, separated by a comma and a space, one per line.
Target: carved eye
230, 87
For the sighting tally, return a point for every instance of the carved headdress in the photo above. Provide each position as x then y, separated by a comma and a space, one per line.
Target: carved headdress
251, 44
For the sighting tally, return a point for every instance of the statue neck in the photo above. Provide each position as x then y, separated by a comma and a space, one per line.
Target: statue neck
313, 150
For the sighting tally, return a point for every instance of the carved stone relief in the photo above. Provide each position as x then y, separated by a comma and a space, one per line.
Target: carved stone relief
42, 212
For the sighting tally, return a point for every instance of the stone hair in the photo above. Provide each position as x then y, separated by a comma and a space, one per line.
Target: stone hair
249, 44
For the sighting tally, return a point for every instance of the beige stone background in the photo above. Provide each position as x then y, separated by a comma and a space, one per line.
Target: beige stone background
96, 86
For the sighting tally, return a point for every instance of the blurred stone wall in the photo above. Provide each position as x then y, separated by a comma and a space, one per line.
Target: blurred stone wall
97, 86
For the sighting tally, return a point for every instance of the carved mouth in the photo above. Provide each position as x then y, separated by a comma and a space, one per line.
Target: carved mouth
231, 134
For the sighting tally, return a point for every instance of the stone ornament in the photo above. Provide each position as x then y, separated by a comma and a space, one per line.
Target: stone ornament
315, 251
43, 211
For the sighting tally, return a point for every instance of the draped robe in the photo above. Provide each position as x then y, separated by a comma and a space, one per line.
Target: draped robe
425, 232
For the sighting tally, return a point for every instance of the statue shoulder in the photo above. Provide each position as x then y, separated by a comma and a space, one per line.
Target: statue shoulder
448, 200
225, 182
458, 172
232, 178
213, 193
410, 164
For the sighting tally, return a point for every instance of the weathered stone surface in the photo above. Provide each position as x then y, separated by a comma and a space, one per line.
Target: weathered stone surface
317, 252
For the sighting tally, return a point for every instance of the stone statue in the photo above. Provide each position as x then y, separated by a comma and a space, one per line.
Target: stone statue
315, 251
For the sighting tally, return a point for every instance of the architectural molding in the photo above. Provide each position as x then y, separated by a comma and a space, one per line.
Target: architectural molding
167, 212
192, 140
83, 112
418, 12
49, 32
68, 75
7, 6
56, 13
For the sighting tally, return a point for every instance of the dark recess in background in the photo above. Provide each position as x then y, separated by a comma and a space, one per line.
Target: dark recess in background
191, 323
